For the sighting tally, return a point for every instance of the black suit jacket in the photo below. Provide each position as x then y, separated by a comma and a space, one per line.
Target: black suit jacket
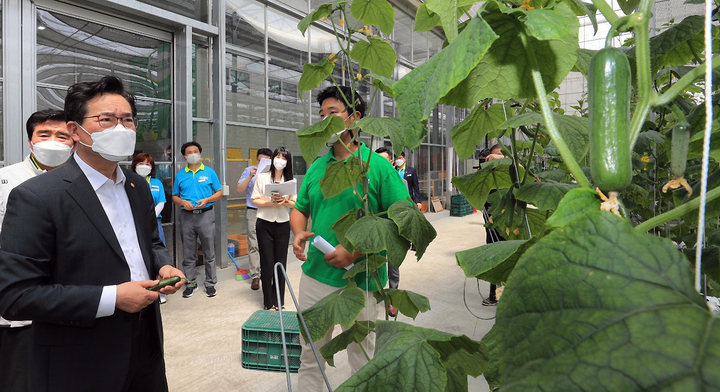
413, 184
57, 251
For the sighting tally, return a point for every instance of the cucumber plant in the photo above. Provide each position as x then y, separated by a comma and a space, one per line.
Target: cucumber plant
592, 299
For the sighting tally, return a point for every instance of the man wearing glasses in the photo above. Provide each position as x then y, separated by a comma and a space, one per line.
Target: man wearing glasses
79, 250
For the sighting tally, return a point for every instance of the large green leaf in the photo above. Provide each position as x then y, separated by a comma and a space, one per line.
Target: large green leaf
476, 186
447, 12
424, 19
574, 130
420, 90
543, 195
598, 306
645, 140
367, 263
340, 175
628, 6
582, 64
414, 359
545, 24
375, 54
323, 11
553, 175
374, 12
313, 138
582, 8
382, 83
341, 307
535, 218
314, 73
371, 234
504, 72
342, 225
378, 126
407, 302
355, 334
493, 262
412, 225
575, 204
470, 132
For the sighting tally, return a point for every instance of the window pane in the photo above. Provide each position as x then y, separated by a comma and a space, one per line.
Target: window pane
245, 24
71, 50
195, 9
245, 89
248, 141
202, 95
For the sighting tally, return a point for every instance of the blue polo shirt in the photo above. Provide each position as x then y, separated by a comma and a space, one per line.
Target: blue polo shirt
157, 191
194, 186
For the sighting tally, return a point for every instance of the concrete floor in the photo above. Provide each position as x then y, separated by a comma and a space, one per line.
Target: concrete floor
203, 335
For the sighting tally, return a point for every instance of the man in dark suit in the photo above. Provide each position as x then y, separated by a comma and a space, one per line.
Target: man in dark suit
409, 174
78, 249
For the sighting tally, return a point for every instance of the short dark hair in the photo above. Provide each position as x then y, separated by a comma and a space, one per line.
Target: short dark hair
80, 93
288, 170
402, 154
495, 146
42, 116
337, 92
140, 158
385, 150
264, 151
188, 144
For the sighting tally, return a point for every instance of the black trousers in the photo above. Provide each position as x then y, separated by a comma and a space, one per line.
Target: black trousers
14, 358
273, 239
147, 364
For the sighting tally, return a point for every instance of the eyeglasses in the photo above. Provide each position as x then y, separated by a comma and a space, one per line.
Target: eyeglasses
106, 121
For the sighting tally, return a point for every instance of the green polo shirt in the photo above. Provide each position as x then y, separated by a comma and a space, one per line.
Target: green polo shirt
385, 188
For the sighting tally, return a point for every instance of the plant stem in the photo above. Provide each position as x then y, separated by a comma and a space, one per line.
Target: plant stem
676, 212
563, 148
606, 10
532, 153
683, 83
646, 94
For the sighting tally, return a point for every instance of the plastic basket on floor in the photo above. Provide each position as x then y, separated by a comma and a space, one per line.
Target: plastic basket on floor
262, 341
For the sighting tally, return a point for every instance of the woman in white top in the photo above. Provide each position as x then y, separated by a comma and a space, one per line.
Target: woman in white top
273, 225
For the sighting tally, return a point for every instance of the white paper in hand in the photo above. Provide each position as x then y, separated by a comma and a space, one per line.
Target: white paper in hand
264, 165
324, 246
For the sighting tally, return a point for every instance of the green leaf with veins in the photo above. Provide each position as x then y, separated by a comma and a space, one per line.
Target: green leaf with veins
341, 226
493, 262
582, 8
596, 305
447, 12
375, 54
369, 263
341, 307
421, 356
378, 126
468, 133
425, 19
322, 11
339, 176
582, 64
574, 205
412, 225
374, 12
504, 72
477, 186
355, 334
543, 195
545, 24
415, 101
371, 234
407, 302
573, 129
312, 139
314, 73
380, 82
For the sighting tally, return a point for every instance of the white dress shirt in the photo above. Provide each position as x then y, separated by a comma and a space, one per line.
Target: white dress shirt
279, 213
115, 202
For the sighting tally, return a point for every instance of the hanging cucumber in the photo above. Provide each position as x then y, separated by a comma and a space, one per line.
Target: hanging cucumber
609, 103
678, 157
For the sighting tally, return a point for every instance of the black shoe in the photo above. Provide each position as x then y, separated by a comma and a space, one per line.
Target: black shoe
189, 291
489, 302
210, 292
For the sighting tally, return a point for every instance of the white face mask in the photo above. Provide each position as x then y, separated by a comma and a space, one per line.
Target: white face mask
193, 158
51, 153
143, 170
335, 137
279, 164
113, 144
399, 162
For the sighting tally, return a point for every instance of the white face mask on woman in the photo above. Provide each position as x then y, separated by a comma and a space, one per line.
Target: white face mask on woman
51, 153
113, 144
279, 164
143, 170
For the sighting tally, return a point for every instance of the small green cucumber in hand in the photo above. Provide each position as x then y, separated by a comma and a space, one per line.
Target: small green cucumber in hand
171, 281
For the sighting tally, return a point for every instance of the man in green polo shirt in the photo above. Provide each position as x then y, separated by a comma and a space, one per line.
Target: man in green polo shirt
323, 273
197, 187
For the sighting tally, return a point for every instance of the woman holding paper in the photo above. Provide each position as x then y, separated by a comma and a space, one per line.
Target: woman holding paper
273, 222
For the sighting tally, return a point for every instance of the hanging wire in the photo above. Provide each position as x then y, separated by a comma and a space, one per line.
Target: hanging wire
706, 145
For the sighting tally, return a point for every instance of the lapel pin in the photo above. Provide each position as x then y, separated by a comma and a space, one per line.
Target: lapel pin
132, 185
